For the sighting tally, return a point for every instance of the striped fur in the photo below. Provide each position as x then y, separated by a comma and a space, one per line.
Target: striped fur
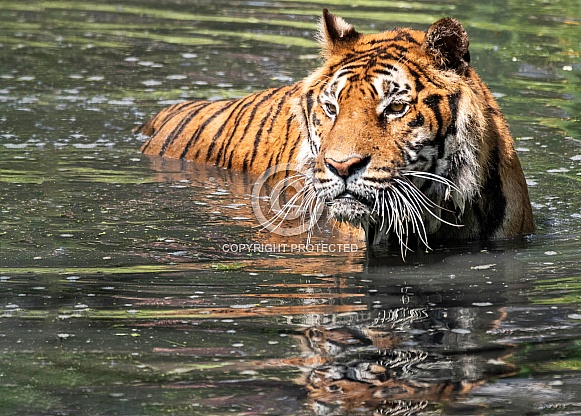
395, 133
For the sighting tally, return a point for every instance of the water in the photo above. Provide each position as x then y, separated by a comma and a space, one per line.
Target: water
125, 285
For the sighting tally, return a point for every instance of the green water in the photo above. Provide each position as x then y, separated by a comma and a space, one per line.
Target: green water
120, 291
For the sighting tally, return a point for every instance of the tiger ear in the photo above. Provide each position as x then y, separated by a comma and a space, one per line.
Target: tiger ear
335, 33
447, 42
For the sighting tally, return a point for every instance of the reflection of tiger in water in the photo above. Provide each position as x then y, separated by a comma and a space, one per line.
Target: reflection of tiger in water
400, 363
395, 132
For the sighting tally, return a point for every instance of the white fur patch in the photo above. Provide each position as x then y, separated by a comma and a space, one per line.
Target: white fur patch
392, 87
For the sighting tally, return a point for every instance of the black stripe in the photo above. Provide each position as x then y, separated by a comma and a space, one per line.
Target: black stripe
310, 102
306, 112
418, 73
490, 208
241, 104
200, 130
374, 90
324, 180
399, 48
386, 69
375, 180
306, 109
286, 141
297, 142
433, 103
380, 49
258, 136
180, 127
406, 36
453, 100
176, 108
170, 113
285, 144
381, 169
146, 145
350, 61
432, 100
272, 154
266, 95
221, 130
418, 121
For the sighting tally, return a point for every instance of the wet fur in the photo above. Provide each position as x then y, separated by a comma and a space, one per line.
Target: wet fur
395, 132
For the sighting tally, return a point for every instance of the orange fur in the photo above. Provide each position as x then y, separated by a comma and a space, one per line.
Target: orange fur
383, 113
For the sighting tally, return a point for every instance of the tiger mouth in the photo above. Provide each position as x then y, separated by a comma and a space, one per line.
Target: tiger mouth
349, 197
350, 207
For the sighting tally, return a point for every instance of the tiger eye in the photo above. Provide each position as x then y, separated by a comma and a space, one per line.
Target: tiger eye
330, 109
396, 107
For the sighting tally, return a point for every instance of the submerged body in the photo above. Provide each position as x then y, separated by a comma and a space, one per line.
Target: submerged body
395, 133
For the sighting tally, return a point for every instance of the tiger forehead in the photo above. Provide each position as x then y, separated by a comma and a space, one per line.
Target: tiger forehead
394, 43
380, 82
383, 63
374, 50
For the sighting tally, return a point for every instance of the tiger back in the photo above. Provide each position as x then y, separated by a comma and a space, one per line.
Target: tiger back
252, 133
394, 133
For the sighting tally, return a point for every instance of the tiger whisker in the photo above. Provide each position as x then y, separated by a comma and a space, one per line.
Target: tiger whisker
400, 207
285, 184
312, 209
304, 202
433, 177
414, 216
427, 203
313, 216
282, 214
402, 225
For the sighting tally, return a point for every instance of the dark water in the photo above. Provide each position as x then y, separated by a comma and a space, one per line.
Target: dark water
122, 288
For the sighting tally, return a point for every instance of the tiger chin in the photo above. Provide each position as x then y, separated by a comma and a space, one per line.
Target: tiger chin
395, 133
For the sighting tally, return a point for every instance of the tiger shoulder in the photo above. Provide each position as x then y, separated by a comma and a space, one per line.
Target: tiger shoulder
395, 133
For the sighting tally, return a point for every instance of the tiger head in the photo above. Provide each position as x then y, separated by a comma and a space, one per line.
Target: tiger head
395, 127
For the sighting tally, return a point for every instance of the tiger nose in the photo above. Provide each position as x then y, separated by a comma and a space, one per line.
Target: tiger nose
346, 168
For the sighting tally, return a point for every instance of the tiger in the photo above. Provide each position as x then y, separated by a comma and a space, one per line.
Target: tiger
395, 133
